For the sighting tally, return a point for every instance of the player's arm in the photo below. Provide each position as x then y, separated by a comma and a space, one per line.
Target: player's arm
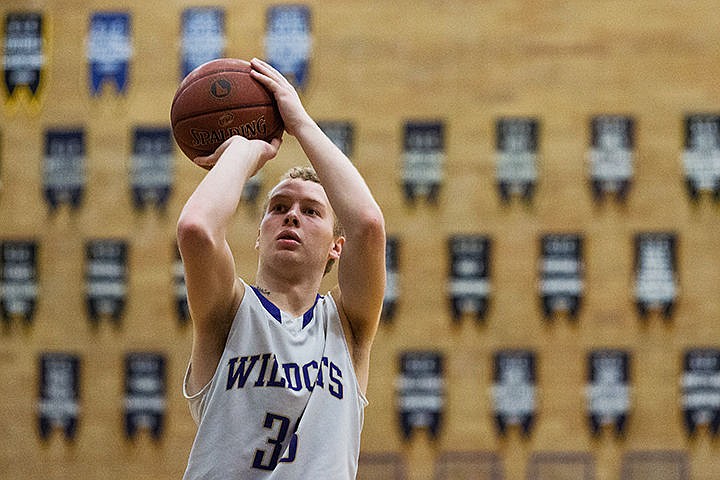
361, 271
213, 289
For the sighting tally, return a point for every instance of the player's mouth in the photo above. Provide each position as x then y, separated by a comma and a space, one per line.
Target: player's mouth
288, 236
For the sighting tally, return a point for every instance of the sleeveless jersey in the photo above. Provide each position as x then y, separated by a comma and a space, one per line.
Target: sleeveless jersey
284, 402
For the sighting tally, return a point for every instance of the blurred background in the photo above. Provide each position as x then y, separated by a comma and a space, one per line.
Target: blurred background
549, 173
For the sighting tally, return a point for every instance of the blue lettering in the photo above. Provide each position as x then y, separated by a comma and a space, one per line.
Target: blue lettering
274, 381
292, 372
336, 392
239, 375
306, 374
261, 377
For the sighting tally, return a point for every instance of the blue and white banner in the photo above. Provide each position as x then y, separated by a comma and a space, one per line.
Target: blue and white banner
18, 279
105, 278
700, 389
514, 390
202, 37
701, 156
145, 393
288, 41
421, 392
611, 155
64, 167
23, 55
109, 50
58, 404
151, 172
655, 272
561, 274
423, 159
517, 156
608, 390
469, 283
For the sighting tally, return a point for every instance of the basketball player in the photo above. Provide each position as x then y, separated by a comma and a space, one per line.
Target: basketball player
278, 372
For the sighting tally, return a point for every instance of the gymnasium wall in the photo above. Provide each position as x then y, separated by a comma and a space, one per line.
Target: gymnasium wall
379, 65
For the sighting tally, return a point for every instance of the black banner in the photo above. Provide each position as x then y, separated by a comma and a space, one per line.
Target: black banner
514, 390
421, 392
181, 301
23, 58
561, 272
701, 389
612, 142
58, 402
106, 278
144, 393
655, 278
18, 279
151, 171
469, 285
64, 167
701, 157
423, 159
392, 273
342, 135
517, 147
608, 390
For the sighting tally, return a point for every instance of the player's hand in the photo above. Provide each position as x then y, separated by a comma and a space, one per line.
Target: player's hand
287, 98
259, 150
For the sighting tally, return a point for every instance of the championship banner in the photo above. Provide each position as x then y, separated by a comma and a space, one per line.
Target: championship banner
18, 279
252, 187
105, 279
423, 159
342, 134
469, 284
58, 403
701, 157
181, 301
655, 276
421, 392
701, 389
23, 56
561, 272
152, 167
202, 37
109, 50
64, 167
608, 390
288, 41
612, 142
514, 390
145, 389
517, 157
392, 275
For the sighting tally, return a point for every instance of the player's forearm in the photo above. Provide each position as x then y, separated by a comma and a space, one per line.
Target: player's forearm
346, 189
215, 200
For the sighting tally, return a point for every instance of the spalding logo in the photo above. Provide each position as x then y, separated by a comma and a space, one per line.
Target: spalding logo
220, 88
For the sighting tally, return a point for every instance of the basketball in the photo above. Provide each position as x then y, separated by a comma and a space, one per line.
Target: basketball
217, 100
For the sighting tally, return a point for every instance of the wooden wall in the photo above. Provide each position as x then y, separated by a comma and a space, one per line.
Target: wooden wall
378, 64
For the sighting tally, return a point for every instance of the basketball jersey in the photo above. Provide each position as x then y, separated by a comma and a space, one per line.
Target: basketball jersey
284, 402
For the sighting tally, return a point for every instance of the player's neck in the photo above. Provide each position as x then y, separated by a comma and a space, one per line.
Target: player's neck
291, 295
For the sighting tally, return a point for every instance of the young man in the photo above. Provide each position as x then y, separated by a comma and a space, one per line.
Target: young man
277, 372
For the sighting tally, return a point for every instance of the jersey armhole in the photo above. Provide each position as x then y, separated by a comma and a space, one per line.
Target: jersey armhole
196, 402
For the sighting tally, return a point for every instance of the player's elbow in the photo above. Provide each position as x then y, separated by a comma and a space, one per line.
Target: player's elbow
370, 226
193, 232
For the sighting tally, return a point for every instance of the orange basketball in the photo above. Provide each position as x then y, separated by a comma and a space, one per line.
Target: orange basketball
220, 99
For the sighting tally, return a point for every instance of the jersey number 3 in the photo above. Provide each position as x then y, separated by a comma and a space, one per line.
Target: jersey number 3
275, 444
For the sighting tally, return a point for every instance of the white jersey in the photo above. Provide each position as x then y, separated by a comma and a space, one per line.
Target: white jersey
284, 402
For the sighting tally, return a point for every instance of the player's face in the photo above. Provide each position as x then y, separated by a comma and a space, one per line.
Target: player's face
298, 223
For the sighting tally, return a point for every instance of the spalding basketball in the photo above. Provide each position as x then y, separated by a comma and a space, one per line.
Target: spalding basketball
220, 99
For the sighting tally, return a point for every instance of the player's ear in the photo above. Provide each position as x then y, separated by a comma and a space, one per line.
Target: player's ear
336, 248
